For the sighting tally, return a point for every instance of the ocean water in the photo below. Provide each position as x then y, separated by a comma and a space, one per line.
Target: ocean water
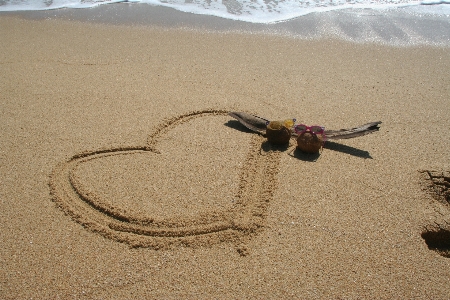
394, 22
254, 11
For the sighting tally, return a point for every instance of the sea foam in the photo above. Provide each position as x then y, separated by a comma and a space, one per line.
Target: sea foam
253, 11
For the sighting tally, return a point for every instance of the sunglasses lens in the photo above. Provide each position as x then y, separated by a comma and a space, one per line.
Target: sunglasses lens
300, 128
289, 123
317, 129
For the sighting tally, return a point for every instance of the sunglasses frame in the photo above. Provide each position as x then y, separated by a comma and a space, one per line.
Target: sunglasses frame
309, 128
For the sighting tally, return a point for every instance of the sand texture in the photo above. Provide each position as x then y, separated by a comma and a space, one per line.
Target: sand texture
123, 176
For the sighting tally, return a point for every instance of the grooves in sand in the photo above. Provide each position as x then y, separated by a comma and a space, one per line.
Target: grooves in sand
107, 206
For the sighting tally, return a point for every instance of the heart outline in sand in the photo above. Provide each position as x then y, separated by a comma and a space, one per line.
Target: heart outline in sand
256, 186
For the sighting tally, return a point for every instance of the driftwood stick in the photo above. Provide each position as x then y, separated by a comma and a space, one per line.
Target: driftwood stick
252, 122
259, 124
353, 132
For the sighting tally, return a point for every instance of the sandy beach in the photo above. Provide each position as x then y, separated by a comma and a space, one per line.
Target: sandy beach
123, 177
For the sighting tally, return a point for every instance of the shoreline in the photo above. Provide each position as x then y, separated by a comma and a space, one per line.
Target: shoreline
95, 123
395, 27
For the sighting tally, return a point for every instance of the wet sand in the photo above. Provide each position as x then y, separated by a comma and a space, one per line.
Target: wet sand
123, 177
403, 26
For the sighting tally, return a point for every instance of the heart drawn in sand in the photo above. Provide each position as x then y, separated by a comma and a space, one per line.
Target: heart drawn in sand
195, 182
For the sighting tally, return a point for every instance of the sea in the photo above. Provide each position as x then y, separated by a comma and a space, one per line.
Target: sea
393, 22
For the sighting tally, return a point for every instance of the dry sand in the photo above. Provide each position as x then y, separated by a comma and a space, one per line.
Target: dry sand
110, 189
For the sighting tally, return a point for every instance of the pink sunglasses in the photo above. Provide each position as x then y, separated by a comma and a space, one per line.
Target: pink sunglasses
301, 128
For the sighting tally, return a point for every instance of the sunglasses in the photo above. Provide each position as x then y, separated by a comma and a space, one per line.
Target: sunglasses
301, 128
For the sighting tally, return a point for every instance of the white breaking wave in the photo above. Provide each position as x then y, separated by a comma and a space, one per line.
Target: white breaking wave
255, 11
